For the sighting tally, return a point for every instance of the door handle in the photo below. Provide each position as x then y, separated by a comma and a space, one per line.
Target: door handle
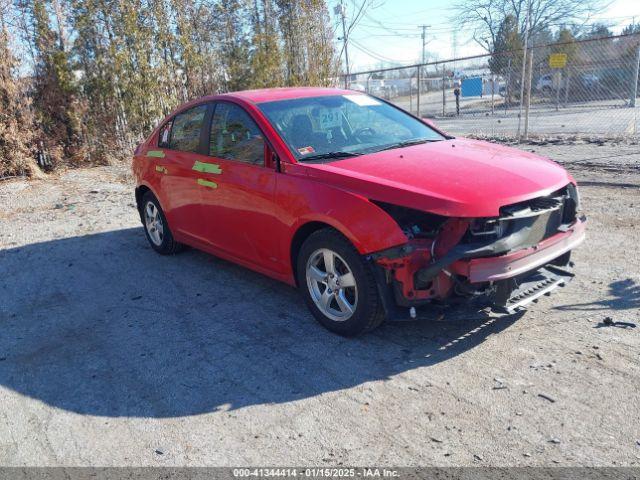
207, 183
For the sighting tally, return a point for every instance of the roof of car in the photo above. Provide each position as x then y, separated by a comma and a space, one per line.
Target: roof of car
273, 94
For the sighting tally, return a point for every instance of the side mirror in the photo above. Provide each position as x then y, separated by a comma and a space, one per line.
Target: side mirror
273, 160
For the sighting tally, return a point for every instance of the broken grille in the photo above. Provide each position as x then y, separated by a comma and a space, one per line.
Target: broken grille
535, 219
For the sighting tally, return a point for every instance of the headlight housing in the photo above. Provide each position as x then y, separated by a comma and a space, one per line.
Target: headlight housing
573, 202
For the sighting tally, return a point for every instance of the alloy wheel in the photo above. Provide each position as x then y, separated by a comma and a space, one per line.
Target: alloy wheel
153, 223
332, 284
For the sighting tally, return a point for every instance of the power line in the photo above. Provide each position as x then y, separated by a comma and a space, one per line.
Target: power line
487, 55
371, 21
360, 13
398, 28
374, 55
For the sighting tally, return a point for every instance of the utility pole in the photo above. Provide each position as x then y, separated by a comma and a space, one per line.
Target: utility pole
342, 11
527, 27
636, 70
634, 79
527, 104
424, 41
455, 48
424, 60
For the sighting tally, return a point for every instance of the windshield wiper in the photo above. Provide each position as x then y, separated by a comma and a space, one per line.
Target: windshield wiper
407, 143
329, 155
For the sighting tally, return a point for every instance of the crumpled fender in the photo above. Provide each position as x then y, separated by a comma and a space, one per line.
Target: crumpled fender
367, 226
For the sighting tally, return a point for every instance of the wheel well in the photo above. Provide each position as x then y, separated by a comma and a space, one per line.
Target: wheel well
140, 191
299, 238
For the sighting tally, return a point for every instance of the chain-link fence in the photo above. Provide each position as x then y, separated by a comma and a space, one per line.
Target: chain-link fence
578, 88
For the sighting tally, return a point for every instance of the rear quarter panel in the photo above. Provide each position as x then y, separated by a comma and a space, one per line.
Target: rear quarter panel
143, 168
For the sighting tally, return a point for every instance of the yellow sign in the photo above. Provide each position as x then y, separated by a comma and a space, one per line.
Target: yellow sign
557, 60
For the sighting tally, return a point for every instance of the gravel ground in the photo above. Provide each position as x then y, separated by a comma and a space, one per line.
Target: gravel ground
112, 355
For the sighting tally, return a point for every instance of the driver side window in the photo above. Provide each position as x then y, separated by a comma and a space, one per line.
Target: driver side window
369, 120
235, 136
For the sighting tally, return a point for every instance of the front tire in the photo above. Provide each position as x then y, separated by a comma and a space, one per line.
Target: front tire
338, 285
156, 227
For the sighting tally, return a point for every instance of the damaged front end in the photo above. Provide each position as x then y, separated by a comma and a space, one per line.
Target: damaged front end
510, 260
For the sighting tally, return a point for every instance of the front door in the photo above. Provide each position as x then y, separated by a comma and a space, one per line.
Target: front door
239, 210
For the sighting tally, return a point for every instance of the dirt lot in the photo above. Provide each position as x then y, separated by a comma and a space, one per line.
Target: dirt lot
113, 355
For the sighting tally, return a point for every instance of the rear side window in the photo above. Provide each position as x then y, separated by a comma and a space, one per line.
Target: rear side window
235, 136
185, 132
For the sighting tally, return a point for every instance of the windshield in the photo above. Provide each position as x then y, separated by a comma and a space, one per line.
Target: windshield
338, 126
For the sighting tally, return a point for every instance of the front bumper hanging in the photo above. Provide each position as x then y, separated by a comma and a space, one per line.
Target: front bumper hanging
512, 294
507, 281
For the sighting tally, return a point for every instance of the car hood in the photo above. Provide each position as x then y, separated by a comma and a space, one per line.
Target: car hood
457, 177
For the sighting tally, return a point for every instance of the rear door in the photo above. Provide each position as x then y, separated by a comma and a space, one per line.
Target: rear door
239, 211
184, 142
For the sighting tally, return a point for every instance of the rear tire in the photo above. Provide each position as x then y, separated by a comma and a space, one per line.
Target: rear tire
338, 285
156, 227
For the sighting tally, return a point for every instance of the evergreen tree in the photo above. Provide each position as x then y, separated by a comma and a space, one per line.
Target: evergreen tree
507, 49
266, 57
234, 45
106, 71
632, 29
56, 103
507, 54
597, 30
309, 56
566, 43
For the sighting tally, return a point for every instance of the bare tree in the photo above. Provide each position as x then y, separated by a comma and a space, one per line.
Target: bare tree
484, 17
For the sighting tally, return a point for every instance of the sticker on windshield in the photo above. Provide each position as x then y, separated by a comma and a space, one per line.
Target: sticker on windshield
362, 100
329, 118
305, 150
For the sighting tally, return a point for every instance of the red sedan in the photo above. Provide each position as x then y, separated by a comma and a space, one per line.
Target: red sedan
371, 212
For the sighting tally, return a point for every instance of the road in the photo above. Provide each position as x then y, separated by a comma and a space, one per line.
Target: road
598, 118
610, 122
112, 355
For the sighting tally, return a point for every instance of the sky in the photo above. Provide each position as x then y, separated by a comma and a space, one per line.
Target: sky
389, 31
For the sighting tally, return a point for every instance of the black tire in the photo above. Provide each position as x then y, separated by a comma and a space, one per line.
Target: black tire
368, 313
167, 246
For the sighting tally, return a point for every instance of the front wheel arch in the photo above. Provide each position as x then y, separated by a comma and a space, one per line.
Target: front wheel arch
301, 235
369, 311
358, 233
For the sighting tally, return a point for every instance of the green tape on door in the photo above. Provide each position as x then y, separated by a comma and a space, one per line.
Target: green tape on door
207, 183
155, 153
207, 167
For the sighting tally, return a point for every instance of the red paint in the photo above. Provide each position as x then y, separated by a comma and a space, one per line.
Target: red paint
472, 179
253, 215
